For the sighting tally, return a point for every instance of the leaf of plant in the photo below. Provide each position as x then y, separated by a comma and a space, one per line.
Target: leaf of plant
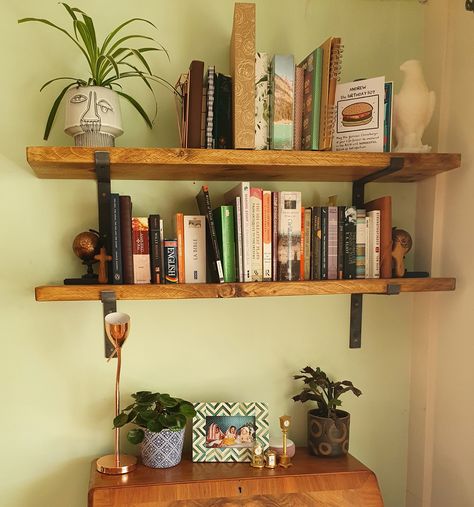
73, 79
46, 22
135, 436
167, 401
142, 59
120, 420
54, 110
187, 409
138, 395
154, 426
116, 30
149, 415
125, 38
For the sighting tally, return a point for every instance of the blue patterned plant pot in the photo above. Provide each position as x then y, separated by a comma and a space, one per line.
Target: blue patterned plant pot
163, 449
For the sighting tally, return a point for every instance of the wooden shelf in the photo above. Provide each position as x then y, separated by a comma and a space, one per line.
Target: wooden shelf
250, 289
234, 165
345, 482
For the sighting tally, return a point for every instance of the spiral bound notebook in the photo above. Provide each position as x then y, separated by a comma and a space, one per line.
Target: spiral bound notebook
332, 64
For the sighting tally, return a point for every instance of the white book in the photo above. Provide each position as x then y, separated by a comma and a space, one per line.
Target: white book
256, 234
368, 248
289, 236
267, 235
374, 233
243, 191
195, 248
238, 240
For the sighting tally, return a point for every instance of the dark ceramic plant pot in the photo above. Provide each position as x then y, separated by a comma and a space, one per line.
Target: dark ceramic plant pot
328, 438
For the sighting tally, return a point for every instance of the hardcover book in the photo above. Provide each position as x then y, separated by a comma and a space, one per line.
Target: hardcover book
126, 238
170, 250
350, 232
387, 123
373, 244
242, 69
275, 236
282, 77
194, 248
331, 68
360, 115
298, 119
179, 230
332, 242
267, 235
222, 128
312, 66
224, 221
196, 71
361, 235
216, 273
238, 239
256, 234
307, 244
141, 250
242, 190
316, 235
289, 235
384, 205
210, 81
262, 66
324, 242
156, 261
116, 267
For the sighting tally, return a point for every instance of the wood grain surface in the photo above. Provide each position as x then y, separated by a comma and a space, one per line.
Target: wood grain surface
234, 290
340, 482
233, 165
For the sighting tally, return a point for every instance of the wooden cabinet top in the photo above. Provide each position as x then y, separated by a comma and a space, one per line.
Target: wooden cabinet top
234, 165
345, 481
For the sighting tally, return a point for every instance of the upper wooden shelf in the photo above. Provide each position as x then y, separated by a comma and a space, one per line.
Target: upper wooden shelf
249, 289
234, 165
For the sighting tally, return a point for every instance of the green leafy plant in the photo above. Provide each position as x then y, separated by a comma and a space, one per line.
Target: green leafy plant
154, 412
324, 392
108, 62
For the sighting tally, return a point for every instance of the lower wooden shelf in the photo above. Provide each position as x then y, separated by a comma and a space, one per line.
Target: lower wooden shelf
344, 482
250, 289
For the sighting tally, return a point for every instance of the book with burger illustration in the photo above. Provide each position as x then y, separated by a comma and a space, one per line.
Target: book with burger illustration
360, 116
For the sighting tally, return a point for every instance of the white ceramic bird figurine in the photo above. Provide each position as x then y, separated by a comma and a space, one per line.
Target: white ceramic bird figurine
412, 109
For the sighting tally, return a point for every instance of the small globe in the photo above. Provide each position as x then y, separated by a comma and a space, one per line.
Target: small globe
86, 245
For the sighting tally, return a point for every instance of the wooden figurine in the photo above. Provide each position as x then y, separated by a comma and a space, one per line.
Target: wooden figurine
401, 245
103, 258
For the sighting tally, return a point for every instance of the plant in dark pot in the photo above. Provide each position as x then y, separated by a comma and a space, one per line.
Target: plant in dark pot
328, 427
92, 109
161, 421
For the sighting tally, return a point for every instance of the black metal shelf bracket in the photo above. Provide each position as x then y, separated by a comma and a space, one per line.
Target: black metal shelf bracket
102, 171
109, 305
358, 189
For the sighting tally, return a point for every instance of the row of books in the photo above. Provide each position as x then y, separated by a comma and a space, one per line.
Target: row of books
265, 102
257, 235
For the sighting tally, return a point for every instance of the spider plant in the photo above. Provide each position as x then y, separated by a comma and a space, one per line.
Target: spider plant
108, 62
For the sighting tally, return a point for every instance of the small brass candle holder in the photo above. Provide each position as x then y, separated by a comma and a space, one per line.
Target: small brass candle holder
285, 460
117, 327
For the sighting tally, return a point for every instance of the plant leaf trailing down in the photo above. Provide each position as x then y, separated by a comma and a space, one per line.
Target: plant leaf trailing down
323, 391
108, 62
155, 412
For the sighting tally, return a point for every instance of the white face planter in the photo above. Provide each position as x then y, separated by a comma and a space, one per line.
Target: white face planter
93, 116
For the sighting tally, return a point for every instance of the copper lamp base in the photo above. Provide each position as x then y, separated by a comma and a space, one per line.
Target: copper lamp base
108, 465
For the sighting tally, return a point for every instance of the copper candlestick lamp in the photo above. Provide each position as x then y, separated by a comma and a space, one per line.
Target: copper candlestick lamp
117, 327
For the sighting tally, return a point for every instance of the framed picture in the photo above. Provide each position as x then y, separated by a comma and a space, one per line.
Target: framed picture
226, 431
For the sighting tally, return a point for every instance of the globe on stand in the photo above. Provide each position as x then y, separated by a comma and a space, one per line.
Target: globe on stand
86, 246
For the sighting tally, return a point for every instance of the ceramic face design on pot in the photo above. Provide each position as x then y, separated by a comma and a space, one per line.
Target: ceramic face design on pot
93, 116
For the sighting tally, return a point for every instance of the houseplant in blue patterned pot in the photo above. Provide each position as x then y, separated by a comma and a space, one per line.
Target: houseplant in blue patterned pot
161, 421
328, 426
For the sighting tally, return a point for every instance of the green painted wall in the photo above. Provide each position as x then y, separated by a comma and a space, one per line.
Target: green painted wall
56, 386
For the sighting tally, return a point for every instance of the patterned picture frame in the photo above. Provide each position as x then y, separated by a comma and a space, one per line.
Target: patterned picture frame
226, 431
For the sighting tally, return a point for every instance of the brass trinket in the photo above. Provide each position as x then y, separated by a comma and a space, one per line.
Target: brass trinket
285, 460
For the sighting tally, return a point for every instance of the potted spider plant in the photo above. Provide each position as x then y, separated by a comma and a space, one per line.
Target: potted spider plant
92, 113
328, 426
160, 421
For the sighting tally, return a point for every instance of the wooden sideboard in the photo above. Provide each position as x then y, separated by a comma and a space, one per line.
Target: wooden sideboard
340, 482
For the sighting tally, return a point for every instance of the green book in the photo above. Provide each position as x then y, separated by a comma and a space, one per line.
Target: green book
224, 221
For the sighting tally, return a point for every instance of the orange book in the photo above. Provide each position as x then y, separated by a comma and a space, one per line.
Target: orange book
179, 227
